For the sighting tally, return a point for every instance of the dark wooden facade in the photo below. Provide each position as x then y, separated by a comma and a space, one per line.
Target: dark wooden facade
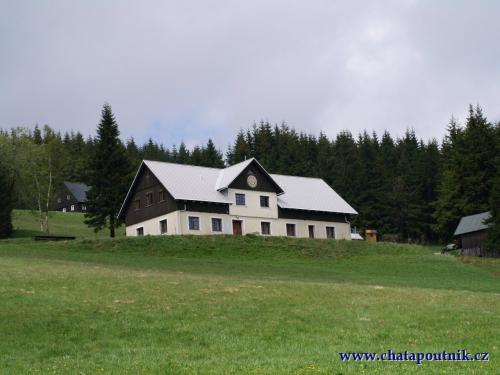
286, 213
264, 181
473, 244
66, 201
137, 208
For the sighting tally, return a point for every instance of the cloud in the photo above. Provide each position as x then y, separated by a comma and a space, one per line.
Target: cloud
190, 70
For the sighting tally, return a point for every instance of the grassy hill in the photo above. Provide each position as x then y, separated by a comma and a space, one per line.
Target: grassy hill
250, 305
26, 224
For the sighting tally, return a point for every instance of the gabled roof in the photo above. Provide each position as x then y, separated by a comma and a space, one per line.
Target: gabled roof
78, 190
472, 223
308, 193
188, 182
193, 183
229, 174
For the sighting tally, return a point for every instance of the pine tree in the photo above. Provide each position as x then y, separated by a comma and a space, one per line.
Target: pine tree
109, 178
211, 157
240, 151
37, 135
7, 201
450, 203
493, 235
183, 154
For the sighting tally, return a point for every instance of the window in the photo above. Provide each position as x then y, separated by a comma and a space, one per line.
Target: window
240, 199
64, 209
216, 224
330, 232
84, 208
163, 226
149, 199
265, 228
194, 223
59, 200
161, 195
72, 207
68, 197
137, 204
290, 230
264, 201
311, 231
140, 231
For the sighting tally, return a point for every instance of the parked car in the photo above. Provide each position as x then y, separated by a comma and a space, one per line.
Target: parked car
449, 247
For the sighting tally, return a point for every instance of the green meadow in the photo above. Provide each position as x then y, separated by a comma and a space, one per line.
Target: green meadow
237, 305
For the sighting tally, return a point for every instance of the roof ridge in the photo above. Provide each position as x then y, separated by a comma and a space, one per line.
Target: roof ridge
183, 165
289, 175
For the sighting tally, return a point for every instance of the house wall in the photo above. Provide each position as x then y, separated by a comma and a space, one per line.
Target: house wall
177, 223
252, 207
152, 226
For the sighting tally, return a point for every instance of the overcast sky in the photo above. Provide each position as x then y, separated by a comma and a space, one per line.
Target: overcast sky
190, 70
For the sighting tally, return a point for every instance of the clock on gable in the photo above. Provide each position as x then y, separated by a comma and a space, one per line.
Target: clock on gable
252, 181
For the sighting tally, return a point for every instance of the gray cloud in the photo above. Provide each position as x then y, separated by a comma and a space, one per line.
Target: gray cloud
192, 70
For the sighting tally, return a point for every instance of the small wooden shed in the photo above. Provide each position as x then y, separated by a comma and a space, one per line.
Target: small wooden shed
471, 234
371, 235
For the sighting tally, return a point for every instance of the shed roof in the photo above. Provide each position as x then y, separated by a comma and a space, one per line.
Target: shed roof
472, 223
78, 190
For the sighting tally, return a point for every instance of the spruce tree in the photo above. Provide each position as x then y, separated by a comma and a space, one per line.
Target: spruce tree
211, 157
493, 235
109, 178
7, 201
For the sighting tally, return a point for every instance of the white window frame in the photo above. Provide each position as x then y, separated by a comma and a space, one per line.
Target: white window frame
64, 209
159, 224
84, 207
68, 197
236, 200
221, 225
268, 201
294, 229
334, 232
199, 223
72, 207
270, 228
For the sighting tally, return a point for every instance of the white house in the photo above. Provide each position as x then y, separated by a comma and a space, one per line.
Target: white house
167, 198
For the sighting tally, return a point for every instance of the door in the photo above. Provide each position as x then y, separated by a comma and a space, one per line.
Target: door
237, 228
311, 231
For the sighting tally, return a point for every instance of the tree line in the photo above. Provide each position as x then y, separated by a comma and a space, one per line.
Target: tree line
408, 189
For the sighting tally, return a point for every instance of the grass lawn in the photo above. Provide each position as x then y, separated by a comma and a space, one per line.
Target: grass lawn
250, 305
60, 223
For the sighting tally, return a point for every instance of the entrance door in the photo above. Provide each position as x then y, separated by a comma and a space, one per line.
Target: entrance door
237, 228
311, 231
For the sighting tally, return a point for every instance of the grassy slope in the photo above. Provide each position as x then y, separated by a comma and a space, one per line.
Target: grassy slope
71, 223
246, 305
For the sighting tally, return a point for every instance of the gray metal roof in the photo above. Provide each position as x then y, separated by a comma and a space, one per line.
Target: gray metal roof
78, 190
472, 223
193, 183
